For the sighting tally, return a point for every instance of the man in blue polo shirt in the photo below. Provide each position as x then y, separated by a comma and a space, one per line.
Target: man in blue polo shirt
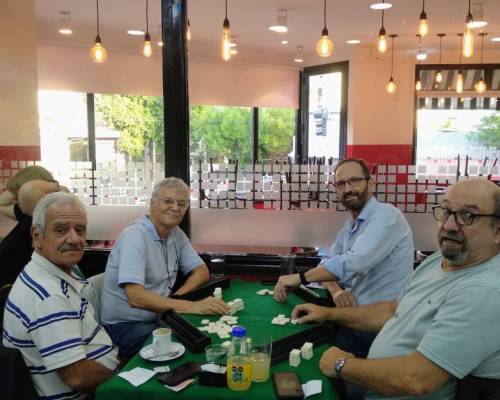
142, 269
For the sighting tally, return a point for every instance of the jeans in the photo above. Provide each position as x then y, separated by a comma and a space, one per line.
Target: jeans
130, 336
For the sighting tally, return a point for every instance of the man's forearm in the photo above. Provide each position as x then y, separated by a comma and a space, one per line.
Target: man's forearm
366, 318
319, 274
139, 297
85, 375
199, 276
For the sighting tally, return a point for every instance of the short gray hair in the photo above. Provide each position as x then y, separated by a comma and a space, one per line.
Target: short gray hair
170, 183
40, 211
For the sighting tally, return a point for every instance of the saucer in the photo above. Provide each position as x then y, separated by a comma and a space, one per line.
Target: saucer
176, 350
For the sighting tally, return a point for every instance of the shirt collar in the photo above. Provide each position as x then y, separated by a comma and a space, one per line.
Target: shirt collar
150, 228
73, 280
367, 209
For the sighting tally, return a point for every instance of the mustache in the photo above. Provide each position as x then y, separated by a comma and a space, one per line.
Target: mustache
453, 236
69, 247
356, 194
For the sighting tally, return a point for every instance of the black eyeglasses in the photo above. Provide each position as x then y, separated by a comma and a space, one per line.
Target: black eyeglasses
353, 182
462, 218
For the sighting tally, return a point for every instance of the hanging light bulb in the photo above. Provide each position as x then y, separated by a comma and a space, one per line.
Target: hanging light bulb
98, 53
382, 40
147, 50
423, 26
459, 87
391, 86
418, 85
188, 32
468, 36
439, 75
324, 47
480, 86
226, 38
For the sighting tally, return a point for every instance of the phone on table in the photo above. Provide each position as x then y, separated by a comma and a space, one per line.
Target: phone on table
287, 386
179, 374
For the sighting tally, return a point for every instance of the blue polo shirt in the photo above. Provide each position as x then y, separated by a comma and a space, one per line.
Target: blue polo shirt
140, 256
373, 255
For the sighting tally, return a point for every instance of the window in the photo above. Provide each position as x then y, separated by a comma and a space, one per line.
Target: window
277, 128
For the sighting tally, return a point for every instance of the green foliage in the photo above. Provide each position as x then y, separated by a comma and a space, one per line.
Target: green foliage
277, 127
488, 132
138, 118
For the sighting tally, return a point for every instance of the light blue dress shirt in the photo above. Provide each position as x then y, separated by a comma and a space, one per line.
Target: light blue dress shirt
141, 256
373, 255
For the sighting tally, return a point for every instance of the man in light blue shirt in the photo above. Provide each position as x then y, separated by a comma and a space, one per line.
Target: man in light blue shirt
142, 269
444, 326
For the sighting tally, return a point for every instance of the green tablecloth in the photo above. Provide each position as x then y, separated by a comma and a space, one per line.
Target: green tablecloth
256, 317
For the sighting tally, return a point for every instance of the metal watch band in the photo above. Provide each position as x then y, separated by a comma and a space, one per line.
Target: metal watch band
339, 364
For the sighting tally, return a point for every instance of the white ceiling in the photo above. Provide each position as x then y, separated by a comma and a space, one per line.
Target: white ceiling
346, 19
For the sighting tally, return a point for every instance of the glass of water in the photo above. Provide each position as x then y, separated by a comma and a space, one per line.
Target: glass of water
217, 265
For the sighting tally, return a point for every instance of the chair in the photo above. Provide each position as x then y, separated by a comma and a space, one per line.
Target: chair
92, 293
474, 388
15, 380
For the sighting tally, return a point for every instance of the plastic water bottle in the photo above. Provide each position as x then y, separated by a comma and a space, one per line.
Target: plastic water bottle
239, 368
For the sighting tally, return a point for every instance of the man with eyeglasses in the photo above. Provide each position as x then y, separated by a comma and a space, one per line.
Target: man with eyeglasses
372, 256
445, 324
142, 269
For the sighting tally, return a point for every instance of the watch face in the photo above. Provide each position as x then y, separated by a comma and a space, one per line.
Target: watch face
339, 364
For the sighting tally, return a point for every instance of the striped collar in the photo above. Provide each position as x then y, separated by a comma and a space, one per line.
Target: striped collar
75, 281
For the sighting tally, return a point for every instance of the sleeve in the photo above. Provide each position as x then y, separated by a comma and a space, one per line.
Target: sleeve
20, 216
451, 342
382, 233
131, 257
188, 257
57, 332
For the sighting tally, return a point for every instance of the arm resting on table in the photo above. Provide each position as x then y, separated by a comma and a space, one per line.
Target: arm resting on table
140, 297
198, 277
84, 375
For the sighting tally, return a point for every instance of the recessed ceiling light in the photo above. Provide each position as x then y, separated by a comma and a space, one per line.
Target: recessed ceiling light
281, 23
65, 23
380, 6
477, 24
284, 42
421, 56
495, 39
65, 31
298, 60
135, 32
353, 41
160, 43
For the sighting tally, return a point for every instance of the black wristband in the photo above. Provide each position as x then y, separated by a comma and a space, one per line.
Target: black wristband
302, 275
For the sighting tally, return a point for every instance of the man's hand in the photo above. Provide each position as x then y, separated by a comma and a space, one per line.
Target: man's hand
344, 298
310, 313
209, 306
284, 285
329, 358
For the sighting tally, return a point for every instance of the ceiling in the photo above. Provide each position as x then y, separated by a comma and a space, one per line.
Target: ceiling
250, 19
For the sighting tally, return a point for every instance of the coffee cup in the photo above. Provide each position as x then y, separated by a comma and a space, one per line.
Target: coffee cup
162, 341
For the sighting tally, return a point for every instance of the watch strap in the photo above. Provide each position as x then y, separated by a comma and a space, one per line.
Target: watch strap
303, 280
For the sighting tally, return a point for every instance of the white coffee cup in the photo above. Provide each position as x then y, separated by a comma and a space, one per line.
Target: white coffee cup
162, 341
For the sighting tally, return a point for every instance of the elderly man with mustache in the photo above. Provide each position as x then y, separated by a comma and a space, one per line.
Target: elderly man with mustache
47, 316
428, 339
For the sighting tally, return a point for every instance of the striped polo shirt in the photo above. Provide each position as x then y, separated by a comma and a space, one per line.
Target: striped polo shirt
49, 320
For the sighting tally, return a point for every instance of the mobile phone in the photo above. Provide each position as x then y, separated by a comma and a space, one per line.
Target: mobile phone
180, 373
287, 386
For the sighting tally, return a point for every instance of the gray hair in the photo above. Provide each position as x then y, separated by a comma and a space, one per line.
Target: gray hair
170, 183
40, 211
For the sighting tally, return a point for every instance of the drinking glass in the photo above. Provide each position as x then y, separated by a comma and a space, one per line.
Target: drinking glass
217, 265
260, 357
287, 265
216, 353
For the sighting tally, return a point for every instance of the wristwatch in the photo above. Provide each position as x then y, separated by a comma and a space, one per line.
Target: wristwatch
303, 280
339, 364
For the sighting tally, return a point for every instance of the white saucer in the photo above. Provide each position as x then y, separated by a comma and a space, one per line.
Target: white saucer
175, 351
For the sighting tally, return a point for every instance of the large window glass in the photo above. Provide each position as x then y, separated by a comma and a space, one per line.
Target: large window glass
221, 133
277, 128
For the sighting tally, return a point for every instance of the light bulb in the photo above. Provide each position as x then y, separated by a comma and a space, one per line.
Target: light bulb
188, 32
480, 86
418, 86
226, 43
460, 83
468, 43
423, 26
98, 53
147, 50
439, 77
382, 42
391, 86
324, 47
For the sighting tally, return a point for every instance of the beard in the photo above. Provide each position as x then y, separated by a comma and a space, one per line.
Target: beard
453, 246
354, 200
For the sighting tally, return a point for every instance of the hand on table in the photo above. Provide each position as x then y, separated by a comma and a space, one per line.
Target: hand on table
310, 313
209, 306
283, 286
329, 358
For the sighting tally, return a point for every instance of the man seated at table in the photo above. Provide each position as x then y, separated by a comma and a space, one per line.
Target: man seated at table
47, 317
445, 326
142, 269
372, 255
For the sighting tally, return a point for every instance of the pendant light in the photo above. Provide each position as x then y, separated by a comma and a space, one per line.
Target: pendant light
226, 38
98, 53
299, 55
147, 50
188, 32
418, 84
479, 21
65, 23
480, 86
281, 25
423, 26
382, 40
391, 86
439, 75
468, 37
459, 88
324, 47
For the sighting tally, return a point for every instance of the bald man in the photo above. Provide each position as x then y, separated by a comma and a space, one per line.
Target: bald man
428, 339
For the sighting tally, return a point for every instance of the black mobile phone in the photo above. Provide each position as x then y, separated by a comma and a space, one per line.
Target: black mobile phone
287, 386
180, 373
